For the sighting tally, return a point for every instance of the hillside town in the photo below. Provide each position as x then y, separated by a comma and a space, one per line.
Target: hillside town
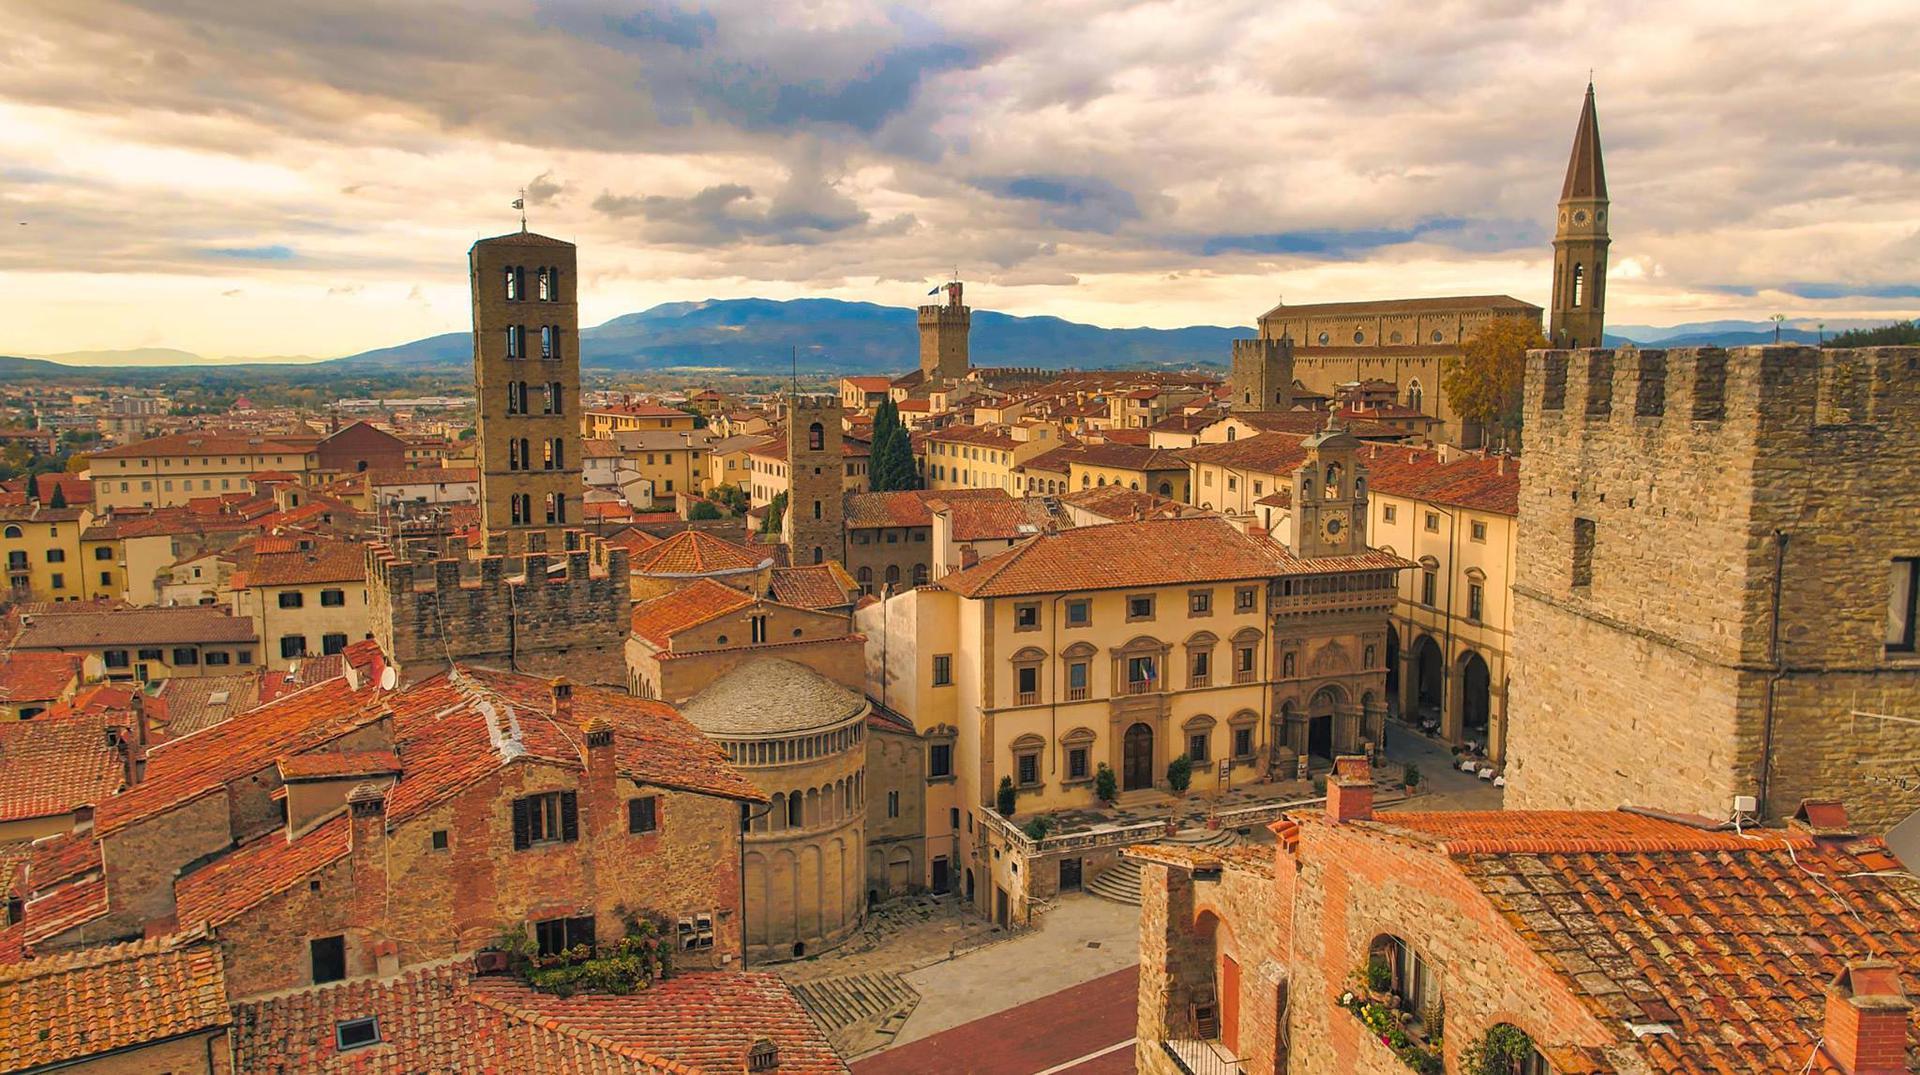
1282, 713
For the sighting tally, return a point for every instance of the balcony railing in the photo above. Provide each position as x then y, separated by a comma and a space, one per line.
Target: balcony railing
1243, 675
1198, 681
1143, 686
1202, 1057
1027, 698
1076, 694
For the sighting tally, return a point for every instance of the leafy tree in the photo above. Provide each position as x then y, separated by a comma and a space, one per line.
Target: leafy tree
1104, 784
1900, 332
734, 497
1005, 797
703, 509
776, 513
466, 434
1484, 382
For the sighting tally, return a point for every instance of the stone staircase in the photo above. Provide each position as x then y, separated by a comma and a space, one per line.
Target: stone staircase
1121, 881
859, 1012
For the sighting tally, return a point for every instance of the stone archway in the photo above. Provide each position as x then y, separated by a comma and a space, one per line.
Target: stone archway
1429, 681
1322, 736
1476, 699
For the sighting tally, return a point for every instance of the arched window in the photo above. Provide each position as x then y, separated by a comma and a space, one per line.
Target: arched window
819, 555
1416, 395
1166, 488
513, 454
919, 574
795, 806
545, 284
893, 575
816, 437
1333, 481
558, 449
514, 281
1232, 434
1579, 283
816, 509
865, 578
13, 531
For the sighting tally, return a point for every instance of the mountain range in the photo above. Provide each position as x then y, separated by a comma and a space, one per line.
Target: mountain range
830, 335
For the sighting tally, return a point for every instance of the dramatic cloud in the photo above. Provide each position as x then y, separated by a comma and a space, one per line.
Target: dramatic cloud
326, 164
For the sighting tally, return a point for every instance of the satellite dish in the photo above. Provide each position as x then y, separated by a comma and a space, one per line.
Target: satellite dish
388, 677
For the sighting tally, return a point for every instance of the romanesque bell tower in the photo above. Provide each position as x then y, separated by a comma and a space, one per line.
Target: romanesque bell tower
526, 372
813, 529
943, 338
1580, 241
1330, 494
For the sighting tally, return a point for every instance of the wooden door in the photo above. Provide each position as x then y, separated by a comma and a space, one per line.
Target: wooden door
1137, 762
1230, 1003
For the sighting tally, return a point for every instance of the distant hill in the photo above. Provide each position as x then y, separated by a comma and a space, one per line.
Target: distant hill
754, 335
1730, 333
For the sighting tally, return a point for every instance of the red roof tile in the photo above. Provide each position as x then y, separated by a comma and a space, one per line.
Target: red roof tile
1157, 552
327, 561
50, 766
813, 586
907, 507
975, 519
207, 442
36, 677
66, 1007
338, 764
223, 889
694, 552
703, 601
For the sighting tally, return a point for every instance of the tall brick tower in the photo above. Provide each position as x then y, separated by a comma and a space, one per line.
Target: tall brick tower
1330, 495
1262, 376
1715, 594
814, 530
1580, 241
526, 370
943, 338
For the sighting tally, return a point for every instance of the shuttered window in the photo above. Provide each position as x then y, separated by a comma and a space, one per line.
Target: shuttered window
546, 819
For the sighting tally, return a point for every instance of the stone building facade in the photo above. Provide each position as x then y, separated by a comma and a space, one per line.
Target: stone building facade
560, 613
943, 337
1261, 377
526, 373
1715, 596
802, 739
816, 485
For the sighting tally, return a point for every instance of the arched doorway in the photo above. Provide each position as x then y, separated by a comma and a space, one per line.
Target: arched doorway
1393, 666
1137, 758
1429, 678
1216, 938
1320, 742
1476, 707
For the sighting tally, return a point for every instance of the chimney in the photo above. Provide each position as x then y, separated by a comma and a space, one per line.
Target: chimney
562, 698
603, 780
1866, 1029
968, 556
1350, 790
367, 810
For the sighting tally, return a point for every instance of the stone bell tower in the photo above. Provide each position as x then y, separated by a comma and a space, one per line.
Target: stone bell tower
813, 529
1330, 494
1580, 242
943, 338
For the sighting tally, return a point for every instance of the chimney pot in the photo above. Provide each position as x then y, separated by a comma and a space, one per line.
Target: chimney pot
1867, 1014
1350, 790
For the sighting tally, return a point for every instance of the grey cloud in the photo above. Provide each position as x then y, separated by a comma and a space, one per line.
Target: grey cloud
544, 189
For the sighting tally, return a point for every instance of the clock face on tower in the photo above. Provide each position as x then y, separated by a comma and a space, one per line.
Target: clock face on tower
1333, 530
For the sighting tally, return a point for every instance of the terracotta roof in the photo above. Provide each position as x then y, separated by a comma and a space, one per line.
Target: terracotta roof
338, 764
227, 887
208, 442
1308, 422
907, 507
813, 585
134, 627
633, 539
442, 1017
327, 561
37, 512
1053, 460
989, 436
1118, 503
1728, 938
27, 676
695, 552
1467, 480
1161, 552
994, 519
187, 704
183, 769
1129, 457
868, 384
1449, 304
97, 1000
703, 601
50, 766
522, 238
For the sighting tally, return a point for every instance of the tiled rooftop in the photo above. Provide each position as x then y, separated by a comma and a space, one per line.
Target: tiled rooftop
813, 585
1160, 552
36, 676
134, 627
907, 507
327, 561
695, 552
53, 764
98, 1000
701, 601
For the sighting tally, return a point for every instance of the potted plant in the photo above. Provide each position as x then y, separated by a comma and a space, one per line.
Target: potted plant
1006, 797
1499, 1051
1378, 976
1180, 774
1410, 776
1105, 785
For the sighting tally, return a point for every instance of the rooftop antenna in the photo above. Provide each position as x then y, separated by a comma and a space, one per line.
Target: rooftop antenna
520, 203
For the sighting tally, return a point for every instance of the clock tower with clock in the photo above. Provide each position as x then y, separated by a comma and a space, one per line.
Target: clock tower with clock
1578, 312
1330, 495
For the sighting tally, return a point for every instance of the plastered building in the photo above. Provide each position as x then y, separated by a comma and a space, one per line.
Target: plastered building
1714, 595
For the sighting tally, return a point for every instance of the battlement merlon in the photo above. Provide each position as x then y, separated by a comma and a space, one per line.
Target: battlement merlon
1768, 387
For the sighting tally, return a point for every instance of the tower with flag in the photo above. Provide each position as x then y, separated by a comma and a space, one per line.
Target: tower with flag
943, 335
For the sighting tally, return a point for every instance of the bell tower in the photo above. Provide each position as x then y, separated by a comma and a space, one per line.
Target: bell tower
1330, 494
1580, 242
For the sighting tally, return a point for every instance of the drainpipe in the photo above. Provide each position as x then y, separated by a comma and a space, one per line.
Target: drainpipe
1779, 669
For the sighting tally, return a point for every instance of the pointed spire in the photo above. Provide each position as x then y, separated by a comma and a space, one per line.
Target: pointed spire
1586, 174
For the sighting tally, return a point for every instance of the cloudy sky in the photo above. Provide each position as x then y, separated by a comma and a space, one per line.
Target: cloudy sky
235, 177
